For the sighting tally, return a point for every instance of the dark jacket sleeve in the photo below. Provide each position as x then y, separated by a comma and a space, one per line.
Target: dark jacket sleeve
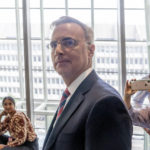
109, 126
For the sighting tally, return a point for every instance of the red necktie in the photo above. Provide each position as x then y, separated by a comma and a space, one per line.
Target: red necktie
62, 102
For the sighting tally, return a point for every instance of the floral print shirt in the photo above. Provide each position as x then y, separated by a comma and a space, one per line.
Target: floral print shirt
19, 127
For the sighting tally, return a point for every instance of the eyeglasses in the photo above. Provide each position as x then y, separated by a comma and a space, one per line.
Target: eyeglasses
65, 43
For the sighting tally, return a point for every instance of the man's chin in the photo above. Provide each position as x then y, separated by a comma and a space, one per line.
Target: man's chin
62, 70
63, 73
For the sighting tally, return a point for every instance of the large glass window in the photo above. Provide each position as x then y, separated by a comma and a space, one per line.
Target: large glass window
102, 16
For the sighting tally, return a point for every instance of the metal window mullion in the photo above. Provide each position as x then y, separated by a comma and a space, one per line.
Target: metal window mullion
66, 7
92, 14
121, 46
43, 52
19, 51
28, 59
43, 59
147, 23
146, 141
92, 25
147, 20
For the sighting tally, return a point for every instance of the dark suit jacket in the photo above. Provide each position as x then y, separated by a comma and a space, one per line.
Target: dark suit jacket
95, 118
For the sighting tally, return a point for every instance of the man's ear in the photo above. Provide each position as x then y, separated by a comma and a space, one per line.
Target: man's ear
91, 49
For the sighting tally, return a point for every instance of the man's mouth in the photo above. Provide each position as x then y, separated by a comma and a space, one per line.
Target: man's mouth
62, 61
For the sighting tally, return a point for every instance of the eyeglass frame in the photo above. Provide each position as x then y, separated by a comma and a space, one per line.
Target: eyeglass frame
60, 42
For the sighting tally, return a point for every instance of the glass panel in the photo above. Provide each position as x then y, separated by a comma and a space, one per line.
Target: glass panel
38, 92
7, 3
21, 23
49, 65
83, 4
135, 26
39, 122
34, 3
105, 3
106, 62
55, 86
20, 4
77, 14
54, 4
7, 24
134, 4
105, 24
49, 16
40, 132
136, 59
9, 72
35, 23
37, 70
138, 138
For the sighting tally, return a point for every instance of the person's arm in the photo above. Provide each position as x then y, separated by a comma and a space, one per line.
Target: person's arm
127, 94
140, 117
3, 146
4, 123
3, 113
109, 126
140, 96
147, 130
20, 131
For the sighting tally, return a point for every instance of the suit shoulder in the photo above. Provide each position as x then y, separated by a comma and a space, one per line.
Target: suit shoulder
102, 90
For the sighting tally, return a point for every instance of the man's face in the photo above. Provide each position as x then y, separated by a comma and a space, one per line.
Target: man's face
70, 62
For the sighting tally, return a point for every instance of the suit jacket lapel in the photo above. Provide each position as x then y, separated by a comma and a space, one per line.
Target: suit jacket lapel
72, 105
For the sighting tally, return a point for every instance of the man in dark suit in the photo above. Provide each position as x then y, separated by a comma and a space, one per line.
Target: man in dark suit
93, 116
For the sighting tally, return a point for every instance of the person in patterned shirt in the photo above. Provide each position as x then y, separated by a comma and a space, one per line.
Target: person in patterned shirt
22, 135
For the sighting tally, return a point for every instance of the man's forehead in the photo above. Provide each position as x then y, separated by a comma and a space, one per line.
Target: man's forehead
69, 29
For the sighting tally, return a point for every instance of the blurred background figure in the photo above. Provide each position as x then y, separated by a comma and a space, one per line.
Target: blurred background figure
141, 96
140, 117
22, 134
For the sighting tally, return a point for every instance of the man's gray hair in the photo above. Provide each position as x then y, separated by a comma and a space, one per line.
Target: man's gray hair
88, 32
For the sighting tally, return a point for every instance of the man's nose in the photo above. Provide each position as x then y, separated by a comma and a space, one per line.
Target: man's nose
59, 49
7, 106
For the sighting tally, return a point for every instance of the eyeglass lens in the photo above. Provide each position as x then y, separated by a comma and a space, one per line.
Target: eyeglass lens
65, 43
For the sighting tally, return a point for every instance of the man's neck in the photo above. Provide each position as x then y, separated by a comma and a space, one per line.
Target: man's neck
68, 80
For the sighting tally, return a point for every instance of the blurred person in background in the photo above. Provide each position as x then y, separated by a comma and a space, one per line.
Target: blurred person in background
141, 96
140, 117
22, 134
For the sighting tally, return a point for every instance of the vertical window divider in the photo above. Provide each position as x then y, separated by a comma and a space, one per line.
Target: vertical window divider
92, 25
20, 66
66, 7
28, 59
147, 19
121, 46
147, 23
43, 58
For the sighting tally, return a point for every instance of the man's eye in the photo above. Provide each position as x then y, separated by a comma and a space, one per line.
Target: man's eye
68, 43
53, 44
